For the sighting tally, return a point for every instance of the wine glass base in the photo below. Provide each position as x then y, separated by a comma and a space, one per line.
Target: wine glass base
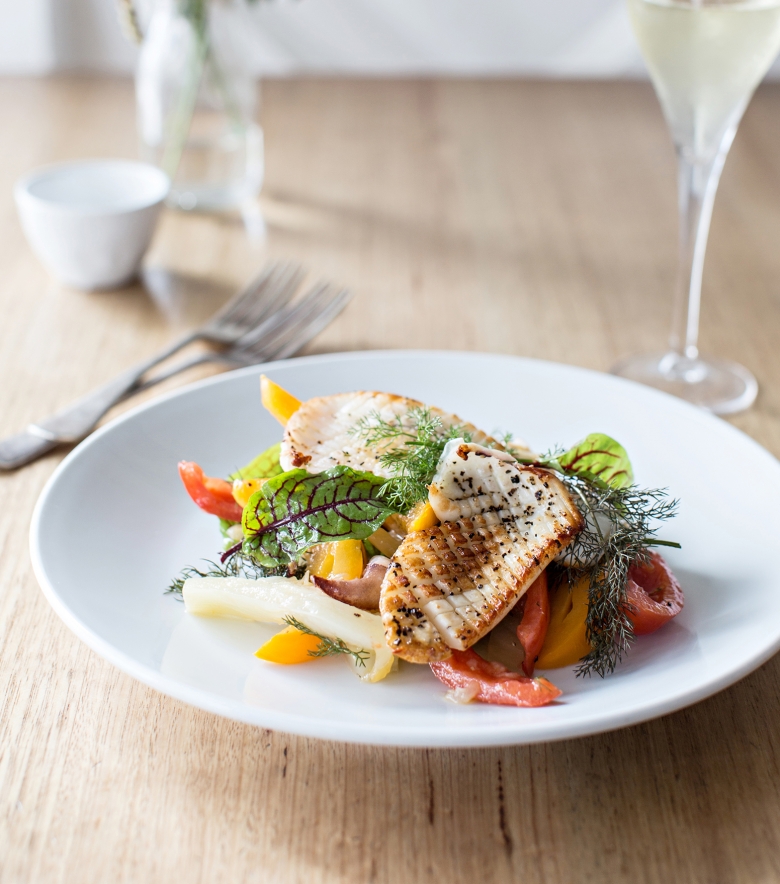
716, 385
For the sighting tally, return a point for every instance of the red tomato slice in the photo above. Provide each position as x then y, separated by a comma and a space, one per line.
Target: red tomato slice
215, 496
653, 594
492, 682
532, 629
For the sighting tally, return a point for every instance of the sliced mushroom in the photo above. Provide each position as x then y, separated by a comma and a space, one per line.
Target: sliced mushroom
362, 592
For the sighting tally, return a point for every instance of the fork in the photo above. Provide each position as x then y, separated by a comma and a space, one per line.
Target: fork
280, 336
252, 306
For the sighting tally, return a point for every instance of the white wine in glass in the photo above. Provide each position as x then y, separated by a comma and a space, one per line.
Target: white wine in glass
705, 58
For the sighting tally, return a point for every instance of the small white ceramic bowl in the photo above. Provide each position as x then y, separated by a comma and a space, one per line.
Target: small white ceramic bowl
90, 222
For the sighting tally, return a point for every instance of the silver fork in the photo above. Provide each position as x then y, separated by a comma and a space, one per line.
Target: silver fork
263, 296
255, 304
278, 337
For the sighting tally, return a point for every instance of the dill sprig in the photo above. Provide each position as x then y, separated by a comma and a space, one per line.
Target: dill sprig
419, 439
620, 523
619, 529
238, 565
328, 647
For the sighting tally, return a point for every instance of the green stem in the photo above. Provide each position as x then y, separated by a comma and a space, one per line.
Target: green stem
231, 105
196, 12
182, 117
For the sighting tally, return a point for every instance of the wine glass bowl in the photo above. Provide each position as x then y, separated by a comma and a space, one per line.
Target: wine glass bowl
718, 385
705, 58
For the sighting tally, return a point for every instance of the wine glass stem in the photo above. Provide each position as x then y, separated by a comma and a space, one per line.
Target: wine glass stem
697, 183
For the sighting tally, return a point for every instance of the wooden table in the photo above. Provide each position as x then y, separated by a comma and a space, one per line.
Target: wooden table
528, 218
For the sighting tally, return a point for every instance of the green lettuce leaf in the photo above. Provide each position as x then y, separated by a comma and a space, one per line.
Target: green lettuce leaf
224, 526
264, 466
295, 510
599, 457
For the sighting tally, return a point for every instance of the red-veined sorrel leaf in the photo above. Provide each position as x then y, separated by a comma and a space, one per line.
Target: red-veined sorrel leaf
601, 457
295, 510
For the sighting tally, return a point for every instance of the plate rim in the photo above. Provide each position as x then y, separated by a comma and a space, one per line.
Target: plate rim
367, 734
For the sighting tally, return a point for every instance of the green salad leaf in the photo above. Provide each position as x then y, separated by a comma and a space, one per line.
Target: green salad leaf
599, 457
224, 527
295, 510
264, 466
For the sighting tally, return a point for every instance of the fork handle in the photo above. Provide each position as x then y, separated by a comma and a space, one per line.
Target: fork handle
25, 447
73, 423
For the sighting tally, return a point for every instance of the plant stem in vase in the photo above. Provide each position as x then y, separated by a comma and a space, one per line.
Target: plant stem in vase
196, 104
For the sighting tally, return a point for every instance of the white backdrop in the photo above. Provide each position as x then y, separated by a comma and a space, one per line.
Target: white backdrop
563, 38
537, 37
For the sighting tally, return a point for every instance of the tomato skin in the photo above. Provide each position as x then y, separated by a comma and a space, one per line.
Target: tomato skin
653, 594
532, 629
495, 683
215, 496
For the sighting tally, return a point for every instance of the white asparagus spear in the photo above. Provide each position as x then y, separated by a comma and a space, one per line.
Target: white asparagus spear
271, 599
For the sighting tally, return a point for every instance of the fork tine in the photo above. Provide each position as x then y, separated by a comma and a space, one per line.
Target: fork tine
262, 281
302, 322
316, 325
283, 335
319, 301
259, 309
256, 294
247, 306
275, 326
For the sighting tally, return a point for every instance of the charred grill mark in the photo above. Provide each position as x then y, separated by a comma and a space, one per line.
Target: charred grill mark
299, 460
466, 574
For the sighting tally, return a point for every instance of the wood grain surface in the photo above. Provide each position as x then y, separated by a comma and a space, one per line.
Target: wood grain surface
517, 217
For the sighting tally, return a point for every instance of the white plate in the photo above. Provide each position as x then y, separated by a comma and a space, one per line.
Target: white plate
114, 524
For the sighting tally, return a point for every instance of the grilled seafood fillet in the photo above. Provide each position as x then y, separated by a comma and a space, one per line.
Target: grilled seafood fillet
320, 434
502, 523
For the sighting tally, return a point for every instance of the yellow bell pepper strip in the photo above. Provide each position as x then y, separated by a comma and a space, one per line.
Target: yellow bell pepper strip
338, 560
349, 559
422, 517
289, 646
278, 401
320, 558
243, 489
566, 642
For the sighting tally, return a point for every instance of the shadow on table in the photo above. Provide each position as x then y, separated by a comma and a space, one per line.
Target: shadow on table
183, 299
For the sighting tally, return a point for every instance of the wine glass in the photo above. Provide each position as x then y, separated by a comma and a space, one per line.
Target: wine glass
705, 58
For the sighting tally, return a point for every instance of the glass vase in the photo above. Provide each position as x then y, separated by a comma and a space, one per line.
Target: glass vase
196, 102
